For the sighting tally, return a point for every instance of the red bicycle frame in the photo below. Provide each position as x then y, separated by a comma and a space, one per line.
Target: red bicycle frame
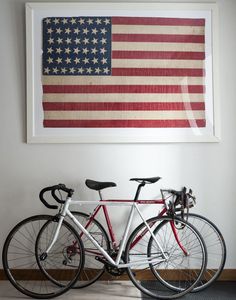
139, 237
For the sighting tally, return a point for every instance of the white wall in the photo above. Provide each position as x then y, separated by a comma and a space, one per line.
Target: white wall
24, 169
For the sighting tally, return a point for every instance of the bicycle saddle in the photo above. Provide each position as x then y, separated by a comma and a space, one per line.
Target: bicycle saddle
146, 180
97, 185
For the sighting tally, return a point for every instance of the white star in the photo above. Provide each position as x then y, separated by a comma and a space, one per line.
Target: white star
49, 30
67, 50
85, 31
86, 60
56, 21
98, 21
98, 70
103, 30
90, 21
59, 60
103, 50
68, 60
81, 21
50, 50
48, 21
80, 70
77, 41
103, 41
51, 41
59, 41
58, 30
104, 60
107, 21
63, 70
85, 50
76, 50
76, 60
106, 70
72, 70
95, 60
73, 21
50, 60
94, 50
58, 50
94, 31
68, 41
64, 21
86, 41
94, 41
89, 70
76, 30
55, 70
67, 30
46, 70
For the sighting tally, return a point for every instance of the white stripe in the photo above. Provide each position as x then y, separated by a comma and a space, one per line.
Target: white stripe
123, 97
123, 115
157, 63
120, 80
134, 46
157, 29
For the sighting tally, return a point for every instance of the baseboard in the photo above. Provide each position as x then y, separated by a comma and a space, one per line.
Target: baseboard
227, 275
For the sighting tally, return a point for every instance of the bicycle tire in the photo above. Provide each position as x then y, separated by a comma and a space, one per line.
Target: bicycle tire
149, 277
216, 249
21, 264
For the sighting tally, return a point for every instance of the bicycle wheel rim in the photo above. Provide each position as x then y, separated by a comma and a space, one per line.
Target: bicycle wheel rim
146, 279
20, 263
216, 249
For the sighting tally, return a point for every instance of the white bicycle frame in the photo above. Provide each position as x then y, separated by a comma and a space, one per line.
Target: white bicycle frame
116, 263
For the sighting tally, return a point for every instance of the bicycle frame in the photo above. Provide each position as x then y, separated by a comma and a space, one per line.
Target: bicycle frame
107, 218
104, 203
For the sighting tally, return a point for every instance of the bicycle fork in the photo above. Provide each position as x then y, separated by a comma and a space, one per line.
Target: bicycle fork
43, 256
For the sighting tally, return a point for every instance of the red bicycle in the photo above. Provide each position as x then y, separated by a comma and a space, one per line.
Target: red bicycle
164, 256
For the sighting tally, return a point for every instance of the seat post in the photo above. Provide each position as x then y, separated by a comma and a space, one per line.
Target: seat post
138, 190
100, 194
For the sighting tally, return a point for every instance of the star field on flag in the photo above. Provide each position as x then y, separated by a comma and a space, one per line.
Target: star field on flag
77, 46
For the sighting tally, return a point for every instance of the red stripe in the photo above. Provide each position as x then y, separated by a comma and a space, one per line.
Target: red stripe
125, 123
158, 55
168, 38
110, 106
157, 21
157, 72
101, 89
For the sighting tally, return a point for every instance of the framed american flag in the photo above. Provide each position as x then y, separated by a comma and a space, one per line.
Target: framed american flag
122, 72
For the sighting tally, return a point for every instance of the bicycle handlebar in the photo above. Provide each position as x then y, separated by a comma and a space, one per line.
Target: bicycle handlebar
53, 190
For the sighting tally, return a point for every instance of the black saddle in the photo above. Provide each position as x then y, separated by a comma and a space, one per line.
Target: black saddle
146, 180
97, 185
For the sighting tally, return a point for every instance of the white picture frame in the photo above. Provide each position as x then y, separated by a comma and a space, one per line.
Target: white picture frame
36, 133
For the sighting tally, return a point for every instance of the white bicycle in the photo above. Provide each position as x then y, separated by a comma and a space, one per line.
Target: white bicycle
44, 256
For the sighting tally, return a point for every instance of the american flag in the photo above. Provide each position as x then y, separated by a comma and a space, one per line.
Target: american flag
142, 72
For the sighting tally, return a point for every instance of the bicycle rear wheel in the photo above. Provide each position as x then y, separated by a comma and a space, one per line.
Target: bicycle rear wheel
179, 272
216, 249
22, 264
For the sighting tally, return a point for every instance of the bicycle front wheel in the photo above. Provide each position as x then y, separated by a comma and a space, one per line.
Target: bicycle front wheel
216, 249
23, 266
168, 263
